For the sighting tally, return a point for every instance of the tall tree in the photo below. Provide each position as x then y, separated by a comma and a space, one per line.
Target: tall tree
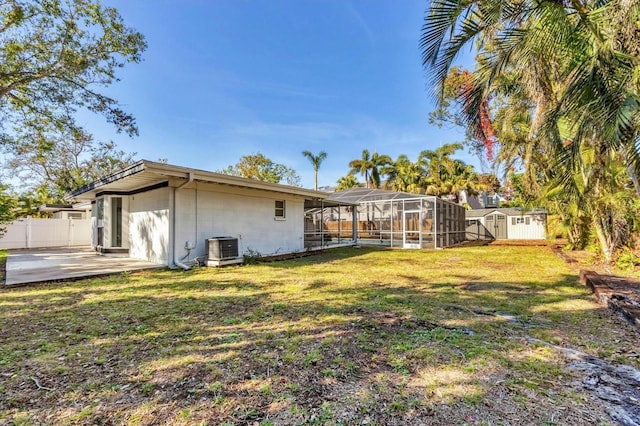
448, 176
315, 160
369, 166
257, 166
362, 166
55, 56
578, 62
51, 168
347, 182
563, 79
8, 207
404, 175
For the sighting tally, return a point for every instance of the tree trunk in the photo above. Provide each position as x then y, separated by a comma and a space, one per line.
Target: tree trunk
605, 244
632, 171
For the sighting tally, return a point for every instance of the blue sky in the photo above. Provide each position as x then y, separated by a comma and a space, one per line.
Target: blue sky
222, 79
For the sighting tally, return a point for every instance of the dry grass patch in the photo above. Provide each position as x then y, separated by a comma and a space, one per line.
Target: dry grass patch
352, 336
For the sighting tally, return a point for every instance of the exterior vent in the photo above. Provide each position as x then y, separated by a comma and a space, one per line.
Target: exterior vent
222, 248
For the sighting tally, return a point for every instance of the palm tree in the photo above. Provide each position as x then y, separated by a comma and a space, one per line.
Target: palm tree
362, 166
378, 161
369, 166
576, 64
404, 175
448, 176
577, 61
347, 182
316, 160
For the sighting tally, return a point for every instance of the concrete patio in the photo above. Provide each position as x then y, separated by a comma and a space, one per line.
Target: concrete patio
54, 264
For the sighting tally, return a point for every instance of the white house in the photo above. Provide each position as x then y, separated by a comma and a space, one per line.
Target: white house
505, 223
480, 201
165, 214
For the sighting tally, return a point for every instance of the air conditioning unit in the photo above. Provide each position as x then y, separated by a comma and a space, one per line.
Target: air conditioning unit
222, 251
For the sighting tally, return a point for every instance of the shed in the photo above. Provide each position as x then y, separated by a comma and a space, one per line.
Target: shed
505, 224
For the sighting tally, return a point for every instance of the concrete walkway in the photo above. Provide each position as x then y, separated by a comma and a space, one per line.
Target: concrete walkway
54, 264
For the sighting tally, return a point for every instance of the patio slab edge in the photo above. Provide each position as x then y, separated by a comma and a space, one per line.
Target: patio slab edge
6, 285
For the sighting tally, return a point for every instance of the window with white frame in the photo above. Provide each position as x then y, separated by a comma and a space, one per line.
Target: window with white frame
281, 209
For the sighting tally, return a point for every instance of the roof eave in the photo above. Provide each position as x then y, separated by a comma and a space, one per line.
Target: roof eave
171, 171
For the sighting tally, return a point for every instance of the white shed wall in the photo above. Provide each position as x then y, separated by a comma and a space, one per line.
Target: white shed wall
535, 230
246, 214
149, 226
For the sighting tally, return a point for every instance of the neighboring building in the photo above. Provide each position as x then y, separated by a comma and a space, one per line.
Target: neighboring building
77, 211
506, 223
388, 218
165, 214
480, 201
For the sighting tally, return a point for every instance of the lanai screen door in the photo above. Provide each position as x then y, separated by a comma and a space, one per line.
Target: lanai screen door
412, 235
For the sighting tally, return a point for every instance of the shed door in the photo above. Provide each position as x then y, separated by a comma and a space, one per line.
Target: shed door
497, 225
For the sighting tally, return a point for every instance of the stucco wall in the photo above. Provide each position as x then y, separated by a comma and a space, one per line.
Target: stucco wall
149, 225
216, 210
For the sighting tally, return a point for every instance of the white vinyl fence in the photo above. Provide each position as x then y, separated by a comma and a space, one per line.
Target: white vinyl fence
36, 233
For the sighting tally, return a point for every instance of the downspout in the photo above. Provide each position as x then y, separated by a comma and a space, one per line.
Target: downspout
173, 223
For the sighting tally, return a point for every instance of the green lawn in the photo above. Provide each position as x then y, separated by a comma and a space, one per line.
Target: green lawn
351, 336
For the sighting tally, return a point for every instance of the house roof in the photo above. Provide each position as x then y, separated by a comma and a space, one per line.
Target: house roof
509, 211
65, 207
144, 174
357, 195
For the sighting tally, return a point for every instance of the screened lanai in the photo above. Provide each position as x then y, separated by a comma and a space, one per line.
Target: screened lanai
329, 224
388, 218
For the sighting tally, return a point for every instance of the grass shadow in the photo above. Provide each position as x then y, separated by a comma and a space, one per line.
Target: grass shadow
384, 337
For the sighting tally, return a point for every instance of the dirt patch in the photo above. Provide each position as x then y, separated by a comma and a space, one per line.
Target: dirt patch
617, 386
562, 254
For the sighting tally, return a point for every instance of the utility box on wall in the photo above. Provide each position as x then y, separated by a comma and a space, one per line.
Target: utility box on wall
223, 251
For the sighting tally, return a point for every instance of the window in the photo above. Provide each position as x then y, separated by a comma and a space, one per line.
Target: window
116, 222
280, 212
520, 220
100, 208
